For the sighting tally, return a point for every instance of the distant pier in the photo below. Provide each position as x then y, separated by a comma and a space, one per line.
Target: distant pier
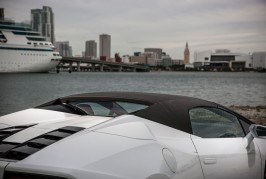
86, 64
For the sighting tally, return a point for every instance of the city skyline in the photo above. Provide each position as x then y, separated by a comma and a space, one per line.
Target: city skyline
237, 25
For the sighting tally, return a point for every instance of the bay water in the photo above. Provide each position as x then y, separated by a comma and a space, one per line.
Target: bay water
24, 90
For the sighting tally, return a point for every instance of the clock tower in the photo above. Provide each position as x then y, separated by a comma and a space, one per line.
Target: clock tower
186, 55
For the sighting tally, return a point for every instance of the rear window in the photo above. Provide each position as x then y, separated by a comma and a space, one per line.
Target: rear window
97, 108
131, 107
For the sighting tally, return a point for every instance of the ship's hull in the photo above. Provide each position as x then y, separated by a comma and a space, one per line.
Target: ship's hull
16, 61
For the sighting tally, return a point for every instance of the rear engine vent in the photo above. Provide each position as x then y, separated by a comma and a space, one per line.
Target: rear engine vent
6, 132
6, 146
25, 149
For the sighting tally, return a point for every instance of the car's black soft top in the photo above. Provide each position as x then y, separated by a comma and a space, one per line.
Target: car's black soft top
137, 97
170, 110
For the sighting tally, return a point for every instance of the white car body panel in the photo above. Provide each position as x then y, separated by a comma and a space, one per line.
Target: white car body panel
129, 130
44, 127
109, 155
228, 158
128, 147
135, 142
33, 116
262, 148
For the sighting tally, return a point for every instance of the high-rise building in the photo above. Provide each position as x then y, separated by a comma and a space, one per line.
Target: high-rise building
105, 46
42, 20
64, 49
157, 51
186, 55
91, 48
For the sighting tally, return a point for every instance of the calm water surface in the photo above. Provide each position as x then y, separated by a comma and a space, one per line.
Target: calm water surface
21, 91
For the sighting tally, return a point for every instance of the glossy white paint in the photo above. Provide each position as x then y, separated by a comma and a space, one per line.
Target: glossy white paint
262, 148
96, 154
114, 148
228, 158
136, 130
170, 159
130, 147
33, 116
44, 127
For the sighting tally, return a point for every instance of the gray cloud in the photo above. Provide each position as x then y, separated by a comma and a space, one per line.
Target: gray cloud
135, 24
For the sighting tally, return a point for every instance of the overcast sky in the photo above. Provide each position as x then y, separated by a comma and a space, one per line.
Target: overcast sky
238, 25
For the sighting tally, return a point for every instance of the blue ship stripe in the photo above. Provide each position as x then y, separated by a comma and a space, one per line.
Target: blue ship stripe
27, 49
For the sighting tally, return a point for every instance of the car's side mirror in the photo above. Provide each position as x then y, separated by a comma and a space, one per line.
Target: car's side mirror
255, 131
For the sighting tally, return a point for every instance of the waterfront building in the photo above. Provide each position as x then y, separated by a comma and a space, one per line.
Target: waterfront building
170, 64
141, 59
42, 21
167, 61
125, 58
157, 51
259, 60
64, 48
222, 58
117, 58
70, 51
151, 58
178, 62
91, 48
186, 55
105, 46
147, 58
137, 53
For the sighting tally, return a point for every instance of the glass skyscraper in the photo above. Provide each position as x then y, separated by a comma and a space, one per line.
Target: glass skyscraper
42, 20
91, 48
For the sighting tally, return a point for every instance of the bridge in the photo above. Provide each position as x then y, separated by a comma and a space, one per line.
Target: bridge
87, 64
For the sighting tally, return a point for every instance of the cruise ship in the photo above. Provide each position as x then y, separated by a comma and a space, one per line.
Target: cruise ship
23, 50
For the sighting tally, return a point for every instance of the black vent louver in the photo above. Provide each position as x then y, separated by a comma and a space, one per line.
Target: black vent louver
6, 132
21, 151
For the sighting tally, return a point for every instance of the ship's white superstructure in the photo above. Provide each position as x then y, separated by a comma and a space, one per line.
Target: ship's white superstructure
23, 50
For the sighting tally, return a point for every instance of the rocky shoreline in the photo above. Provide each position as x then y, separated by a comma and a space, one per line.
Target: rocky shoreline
256, 114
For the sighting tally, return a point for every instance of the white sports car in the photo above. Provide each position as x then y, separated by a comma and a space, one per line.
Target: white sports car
124, 135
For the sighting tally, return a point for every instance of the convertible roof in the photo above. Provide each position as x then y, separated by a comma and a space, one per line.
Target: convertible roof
146, 98
170, 110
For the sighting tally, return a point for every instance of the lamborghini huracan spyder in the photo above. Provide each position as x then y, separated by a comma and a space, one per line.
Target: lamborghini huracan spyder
129, 135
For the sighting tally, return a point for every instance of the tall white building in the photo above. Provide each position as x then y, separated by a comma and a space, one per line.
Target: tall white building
259, 60
64, 49
90, 48
42, 20
105, 46
222, 58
